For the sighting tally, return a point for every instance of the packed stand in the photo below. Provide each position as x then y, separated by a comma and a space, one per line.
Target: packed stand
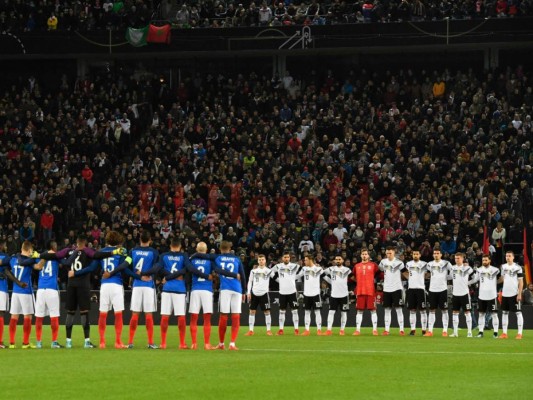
69, 15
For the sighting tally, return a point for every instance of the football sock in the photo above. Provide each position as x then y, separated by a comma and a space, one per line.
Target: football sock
27, 330
431, 321
424, 319
399, 316
163, 325
519, 322
468, 317
12, 329
54, 324
455, 320
445, 320
387, 318
295, 319
412, 319
344, 318
149, 320
38, 328
207, 328
251, 321
134, 321
268, 321
307, 319
495, 321
374, 317
68, 324
331, 316
235, 325
318, 319
505, 321
182, 327
102, 321
358, 320
281, 319
1, 328
86, 325
481, 322
222, 326
194, 327
119, 323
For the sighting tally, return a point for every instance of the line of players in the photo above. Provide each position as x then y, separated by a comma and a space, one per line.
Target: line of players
144, 265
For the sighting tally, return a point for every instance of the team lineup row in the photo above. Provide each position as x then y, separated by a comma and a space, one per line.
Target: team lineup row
144, 265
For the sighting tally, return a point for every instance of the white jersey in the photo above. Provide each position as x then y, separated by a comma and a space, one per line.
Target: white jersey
439, 275
417, 274
393, 274
338, 278
511, 274
311, 280
259, 281
488, 282
461, 279
287, 275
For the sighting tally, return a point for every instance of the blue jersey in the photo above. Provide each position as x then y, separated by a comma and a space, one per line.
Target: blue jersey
4, 258
173, 262
143, 259
231, 263
23, 274
204, 266
109, 264
48, 275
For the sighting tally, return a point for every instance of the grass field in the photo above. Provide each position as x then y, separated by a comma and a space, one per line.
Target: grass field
287, 367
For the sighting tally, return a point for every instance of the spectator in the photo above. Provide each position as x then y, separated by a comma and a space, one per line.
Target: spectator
527, 295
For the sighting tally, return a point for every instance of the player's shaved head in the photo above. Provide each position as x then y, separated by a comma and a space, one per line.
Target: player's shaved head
201, 247
225, 246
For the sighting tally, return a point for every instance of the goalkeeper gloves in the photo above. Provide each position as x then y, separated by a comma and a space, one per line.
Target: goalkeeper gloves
121, 251
35, 254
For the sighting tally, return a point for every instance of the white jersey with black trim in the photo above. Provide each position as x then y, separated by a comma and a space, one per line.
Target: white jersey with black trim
311, 280
461, 278
259, 281
287, 275
488, 282
440, 272
511, 274
337, 277
417, 274
393, 274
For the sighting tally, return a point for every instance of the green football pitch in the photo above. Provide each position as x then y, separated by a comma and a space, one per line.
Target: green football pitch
276, 367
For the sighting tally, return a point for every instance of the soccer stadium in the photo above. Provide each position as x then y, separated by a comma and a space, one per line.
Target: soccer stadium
280, 200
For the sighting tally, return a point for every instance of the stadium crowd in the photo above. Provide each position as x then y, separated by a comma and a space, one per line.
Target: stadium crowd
323, 163
24, 15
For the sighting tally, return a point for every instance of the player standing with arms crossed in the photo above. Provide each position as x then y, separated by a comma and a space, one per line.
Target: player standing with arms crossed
337, 276
487, 275
416, 293
257, 293
392, 289
513, 284
287, 275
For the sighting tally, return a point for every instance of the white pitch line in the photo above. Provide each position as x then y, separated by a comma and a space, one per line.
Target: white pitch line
353, 351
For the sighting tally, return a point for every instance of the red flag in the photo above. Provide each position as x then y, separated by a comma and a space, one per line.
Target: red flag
485, 240
159, 34
527, 265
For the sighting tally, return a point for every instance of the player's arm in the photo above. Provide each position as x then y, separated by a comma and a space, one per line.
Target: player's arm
520, 287
24, 261
205, 256
127, 269
224, 272
99, 255
9, 275
191, 268
327, 279
93, 266
474, 277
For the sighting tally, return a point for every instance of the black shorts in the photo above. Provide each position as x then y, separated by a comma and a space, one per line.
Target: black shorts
312, 302
288, 299
485, 306
260, 301
416, 299
339, 303
438, 300
78, 297
510, 304
463, 302
393, 299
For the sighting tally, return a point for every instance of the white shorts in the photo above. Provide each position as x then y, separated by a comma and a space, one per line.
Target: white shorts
201, 299
22, 304
47, 303
4, 301
173, 303
111, 295
230, 302
143, 299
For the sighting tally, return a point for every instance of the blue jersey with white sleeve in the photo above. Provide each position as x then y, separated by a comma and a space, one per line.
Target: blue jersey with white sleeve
23, 274
231, 263
143, 260
4, 262
48, 275
204, 266
174, 262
